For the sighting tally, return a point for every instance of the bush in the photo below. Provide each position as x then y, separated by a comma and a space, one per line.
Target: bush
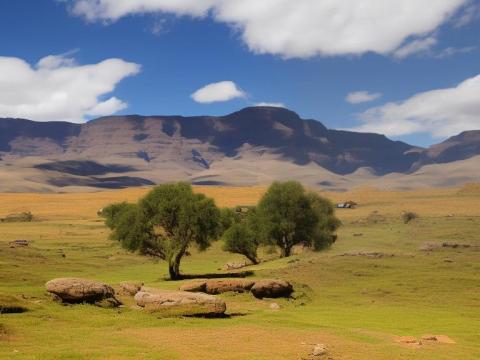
26, 216
409, 216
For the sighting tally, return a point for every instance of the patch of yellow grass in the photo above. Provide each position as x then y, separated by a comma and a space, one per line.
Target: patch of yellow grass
427, 203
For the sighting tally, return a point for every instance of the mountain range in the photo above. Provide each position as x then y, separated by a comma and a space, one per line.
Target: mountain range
253, 146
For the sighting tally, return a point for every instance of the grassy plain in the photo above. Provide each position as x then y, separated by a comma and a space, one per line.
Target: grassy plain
356, 305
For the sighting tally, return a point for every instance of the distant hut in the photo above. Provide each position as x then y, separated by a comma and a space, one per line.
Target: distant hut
347, 205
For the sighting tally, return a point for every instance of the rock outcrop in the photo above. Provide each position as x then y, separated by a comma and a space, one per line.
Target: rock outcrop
259, 288
179, 303
76, 291
271, 289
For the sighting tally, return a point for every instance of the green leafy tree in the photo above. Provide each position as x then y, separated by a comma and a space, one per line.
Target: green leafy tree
166, 222
324, 235
240, 239
245, 234
291, 216
112, 212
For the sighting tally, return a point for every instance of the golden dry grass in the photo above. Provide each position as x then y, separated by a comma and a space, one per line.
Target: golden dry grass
355, 305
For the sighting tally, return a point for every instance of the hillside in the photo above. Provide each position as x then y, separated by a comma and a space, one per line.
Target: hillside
253, 146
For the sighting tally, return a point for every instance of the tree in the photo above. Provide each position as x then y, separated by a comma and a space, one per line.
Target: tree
112, 212
245, 234
292, 216
324, 235
166, 222
240, 239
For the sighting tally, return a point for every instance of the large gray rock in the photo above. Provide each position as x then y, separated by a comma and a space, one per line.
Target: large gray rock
179, 303
271, 289
75, 291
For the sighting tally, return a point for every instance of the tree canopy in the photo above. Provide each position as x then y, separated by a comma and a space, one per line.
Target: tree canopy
292, 216
165, 223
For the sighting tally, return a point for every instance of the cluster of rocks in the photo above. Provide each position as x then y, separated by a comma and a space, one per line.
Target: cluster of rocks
412, 340
431, 246
265, 288
373, 254
193, 299
19, 243
234, 266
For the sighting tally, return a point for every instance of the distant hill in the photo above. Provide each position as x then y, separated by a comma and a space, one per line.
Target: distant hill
251, 146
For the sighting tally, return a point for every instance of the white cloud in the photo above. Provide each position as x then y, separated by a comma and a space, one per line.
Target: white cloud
300, 28
451, 51
217, 92
56, 88
416, 46
271, 104
442, 112
467, 15
359, 97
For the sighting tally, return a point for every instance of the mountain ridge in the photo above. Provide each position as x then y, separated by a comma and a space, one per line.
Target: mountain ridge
254, 143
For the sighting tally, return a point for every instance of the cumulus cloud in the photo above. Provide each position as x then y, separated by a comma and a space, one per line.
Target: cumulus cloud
301, 28
359, 97
218, 92
271, 104
441, 113
57, 88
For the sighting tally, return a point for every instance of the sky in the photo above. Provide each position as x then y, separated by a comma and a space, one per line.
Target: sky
409, 69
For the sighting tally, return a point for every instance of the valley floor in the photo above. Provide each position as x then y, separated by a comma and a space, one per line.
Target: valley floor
354, 302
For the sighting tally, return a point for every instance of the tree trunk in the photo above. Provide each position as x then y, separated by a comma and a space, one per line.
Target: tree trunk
286, 247
253, 259
286, 251
174, 265
174, 272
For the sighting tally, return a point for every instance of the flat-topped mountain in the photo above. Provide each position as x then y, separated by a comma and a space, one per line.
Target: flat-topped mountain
253, 145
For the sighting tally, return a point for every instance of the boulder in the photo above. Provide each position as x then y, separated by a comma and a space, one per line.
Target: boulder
130, 288
179, 303
75, 291
271, 289
319, 350
274, 306
195, 286
214, 287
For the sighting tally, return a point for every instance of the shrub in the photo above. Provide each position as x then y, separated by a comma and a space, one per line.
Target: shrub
409, 216
26, 216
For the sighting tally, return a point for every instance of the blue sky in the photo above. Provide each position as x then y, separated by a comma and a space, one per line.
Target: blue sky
167, 54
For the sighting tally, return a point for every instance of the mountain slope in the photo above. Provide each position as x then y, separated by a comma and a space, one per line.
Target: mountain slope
251, 146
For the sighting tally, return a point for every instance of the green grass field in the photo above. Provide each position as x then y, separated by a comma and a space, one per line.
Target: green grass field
357, 306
